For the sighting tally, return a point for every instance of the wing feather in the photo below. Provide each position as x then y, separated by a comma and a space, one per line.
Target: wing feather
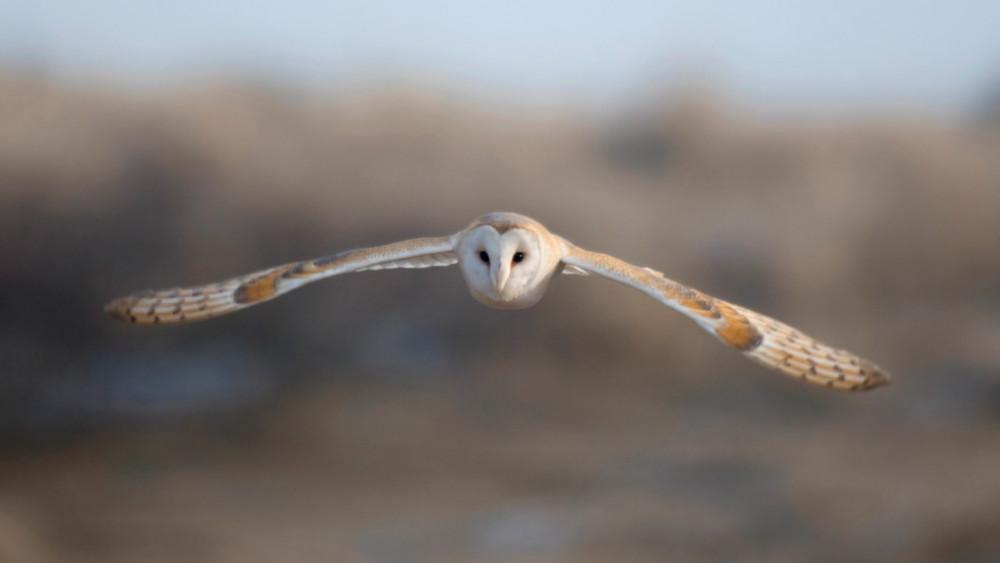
763, 339
179, 305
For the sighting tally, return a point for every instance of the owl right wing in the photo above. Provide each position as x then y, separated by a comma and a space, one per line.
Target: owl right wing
761, 338
188, 304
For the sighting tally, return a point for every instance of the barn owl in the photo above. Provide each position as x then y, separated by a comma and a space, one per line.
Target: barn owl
509, 261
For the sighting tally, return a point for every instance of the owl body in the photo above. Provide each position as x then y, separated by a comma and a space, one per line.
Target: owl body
509, 261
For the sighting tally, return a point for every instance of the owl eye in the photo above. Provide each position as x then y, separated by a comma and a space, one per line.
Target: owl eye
518, 257
484, 257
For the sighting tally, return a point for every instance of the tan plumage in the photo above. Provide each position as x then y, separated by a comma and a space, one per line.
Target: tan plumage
180, 305
509, 262
762, 338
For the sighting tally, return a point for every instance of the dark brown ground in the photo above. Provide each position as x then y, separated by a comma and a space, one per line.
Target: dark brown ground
388, 417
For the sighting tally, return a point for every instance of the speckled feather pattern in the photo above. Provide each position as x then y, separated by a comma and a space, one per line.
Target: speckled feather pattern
800, 356
181, 305
765, 340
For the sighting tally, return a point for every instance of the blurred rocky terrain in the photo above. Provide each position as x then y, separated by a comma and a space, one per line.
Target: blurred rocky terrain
388, 417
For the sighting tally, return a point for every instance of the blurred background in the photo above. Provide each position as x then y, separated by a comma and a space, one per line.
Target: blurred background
836, 167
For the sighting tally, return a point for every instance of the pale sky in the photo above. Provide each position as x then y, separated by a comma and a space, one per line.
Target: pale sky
942, 56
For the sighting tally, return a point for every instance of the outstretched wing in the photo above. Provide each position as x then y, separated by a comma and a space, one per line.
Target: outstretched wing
180, 305
762, 338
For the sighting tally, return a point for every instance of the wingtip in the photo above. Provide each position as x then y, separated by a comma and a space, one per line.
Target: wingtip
876, 377
118, 309
121, 308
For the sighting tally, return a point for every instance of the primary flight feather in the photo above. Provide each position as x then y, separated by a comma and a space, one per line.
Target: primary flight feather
508, 262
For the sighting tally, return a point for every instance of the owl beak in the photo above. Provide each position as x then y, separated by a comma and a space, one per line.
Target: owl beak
500, 274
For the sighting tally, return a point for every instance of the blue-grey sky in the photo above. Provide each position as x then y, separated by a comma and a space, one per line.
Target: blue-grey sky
938, 55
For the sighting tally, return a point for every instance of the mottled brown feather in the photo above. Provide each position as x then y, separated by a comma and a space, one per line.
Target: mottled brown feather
180, 305
763, 339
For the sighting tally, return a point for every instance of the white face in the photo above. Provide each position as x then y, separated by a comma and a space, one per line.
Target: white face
501, 270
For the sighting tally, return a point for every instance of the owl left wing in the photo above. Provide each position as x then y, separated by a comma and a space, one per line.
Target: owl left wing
757, 336
181, 305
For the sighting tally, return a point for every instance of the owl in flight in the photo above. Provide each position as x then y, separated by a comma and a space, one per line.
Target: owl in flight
508, 262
